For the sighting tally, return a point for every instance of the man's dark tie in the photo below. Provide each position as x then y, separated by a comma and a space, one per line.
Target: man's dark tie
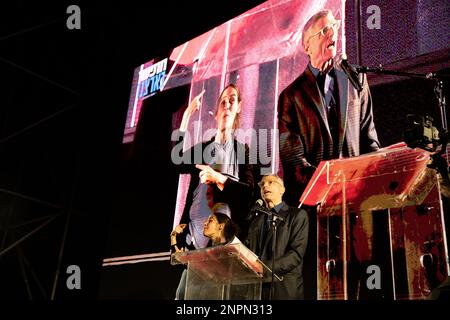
321, 82
331, 108
264, 232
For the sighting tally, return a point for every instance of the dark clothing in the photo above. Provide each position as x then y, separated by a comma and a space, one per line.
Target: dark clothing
237, 191
266, 226
304, 125
291, 242
327, 83
312, 131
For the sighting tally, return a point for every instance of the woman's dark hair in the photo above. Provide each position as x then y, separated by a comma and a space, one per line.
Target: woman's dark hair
230, 229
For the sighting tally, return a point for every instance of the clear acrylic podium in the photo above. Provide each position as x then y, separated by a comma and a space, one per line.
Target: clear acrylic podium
387, 199
225, 272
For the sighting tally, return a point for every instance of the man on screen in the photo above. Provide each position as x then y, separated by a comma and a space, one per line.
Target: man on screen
321, 115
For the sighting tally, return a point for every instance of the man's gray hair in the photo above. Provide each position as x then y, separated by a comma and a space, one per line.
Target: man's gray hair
311, 21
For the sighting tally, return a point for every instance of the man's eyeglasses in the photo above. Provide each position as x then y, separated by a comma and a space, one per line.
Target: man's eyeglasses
269, 182
324, 31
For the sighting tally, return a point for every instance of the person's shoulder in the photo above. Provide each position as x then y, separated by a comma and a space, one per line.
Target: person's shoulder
295, 210
289, 208
294, 85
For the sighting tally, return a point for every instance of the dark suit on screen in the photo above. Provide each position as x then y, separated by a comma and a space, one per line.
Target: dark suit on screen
305, 137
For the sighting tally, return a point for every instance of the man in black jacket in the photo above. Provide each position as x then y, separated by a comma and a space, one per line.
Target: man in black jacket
291, 241
321, 116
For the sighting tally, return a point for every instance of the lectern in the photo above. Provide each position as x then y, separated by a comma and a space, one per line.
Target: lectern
225, 272
378, 215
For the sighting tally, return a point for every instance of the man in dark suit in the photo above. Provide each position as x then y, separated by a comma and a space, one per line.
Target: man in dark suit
291, 241
321, 115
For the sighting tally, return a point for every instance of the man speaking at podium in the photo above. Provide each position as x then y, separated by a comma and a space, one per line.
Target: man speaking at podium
326, 113
290, 244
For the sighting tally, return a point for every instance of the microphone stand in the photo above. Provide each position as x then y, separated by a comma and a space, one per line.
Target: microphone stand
274, 219
442, 103
438, 88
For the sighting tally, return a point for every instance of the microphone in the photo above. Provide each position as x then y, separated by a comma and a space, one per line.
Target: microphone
351, 73
258, 208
